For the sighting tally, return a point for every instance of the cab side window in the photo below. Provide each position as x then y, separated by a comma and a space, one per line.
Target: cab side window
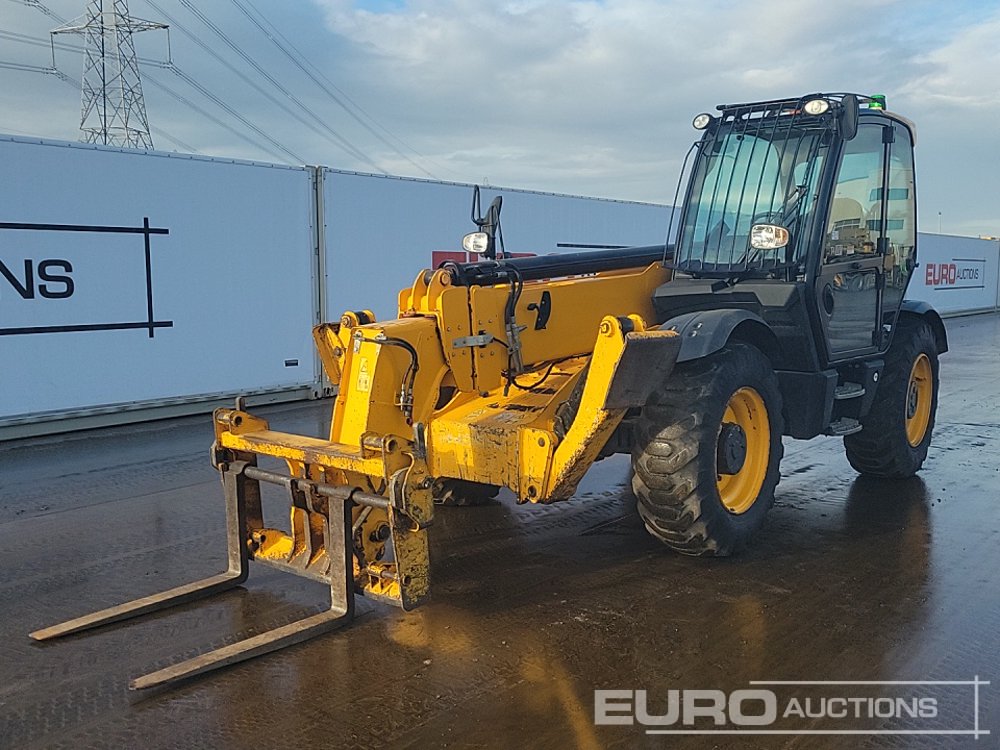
901, 221
855, 212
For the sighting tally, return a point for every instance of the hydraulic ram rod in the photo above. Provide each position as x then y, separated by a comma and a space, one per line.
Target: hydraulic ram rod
490, 272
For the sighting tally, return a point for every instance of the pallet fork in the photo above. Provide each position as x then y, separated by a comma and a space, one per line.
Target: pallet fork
331, 561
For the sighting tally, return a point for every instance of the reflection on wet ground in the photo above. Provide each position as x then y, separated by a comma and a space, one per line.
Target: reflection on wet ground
534, 607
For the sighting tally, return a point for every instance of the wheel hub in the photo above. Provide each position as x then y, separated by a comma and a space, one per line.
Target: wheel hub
743, 450
911, 401
919, 397
732, 449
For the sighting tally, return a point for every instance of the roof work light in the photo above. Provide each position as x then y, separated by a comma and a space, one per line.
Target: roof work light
702, 121
816, 107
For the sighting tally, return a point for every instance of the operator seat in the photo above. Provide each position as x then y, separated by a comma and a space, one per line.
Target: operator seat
845, 212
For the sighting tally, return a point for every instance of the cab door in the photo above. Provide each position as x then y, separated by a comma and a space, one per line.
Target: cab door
851, 276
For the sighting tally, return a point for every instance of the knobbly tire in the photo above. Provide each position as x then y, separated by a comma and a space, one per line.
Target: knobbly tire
681, 446
896, 432
458, 492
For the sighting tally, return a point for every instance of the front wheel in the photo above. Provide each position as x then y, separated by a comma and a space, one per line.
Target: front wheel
707, 450
897, 431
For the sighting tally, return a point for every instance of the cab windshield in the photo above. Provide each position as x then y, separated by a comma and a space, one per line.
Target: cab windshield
749, 171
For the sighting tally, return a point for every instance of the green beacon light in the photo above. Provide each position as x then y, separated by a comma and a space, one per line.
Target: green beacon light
877, 101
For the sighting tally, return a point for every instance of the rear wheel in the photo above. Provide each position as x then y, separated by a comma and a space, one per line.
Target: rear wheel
707, 449
897, 431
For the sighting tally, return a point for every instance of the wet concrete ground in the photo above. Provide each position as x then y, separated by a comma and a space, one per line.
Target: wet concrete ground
533, 608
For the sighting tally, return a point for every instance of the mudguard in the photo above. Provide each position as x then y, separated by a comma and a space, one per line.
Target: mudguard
647, 362
924, 309
705, 332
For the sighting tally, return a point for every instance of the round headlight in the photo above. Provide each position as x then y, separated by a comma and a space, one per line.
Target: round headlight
768, 236
816, 106
702, 121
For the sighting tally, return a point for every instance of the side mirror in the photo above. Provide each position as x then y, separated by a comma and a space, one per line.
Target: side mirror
847, 119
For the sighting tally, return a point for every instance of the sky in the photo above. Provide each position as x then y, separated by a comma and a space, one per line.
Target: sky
588, 97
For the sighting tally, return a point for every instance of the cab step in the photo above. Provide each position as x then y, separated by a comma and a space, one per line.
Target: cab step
849, 390
844, 426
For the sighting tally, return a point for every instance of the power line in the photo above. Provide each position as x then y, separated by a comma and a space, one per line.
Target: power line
236, 71
52, 44
37, 42
14, 131
183, 146
317, 124
23, 66
298, 60
76, 84
346, 144
204, 91
38, 6
160, 133
295, 59
332, 85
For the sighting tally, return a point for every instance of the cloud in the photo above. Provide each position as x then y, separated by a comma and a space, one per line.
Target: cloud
962, 72
613, 77
597, 97
579, 96
955, 102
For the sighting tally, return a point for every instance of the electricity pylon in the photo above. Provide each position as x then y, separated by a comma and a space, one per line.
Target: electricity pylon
113, 110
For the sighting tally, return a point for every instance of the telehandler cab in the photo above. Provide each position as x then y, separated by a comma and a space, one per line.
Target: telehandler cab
778, 310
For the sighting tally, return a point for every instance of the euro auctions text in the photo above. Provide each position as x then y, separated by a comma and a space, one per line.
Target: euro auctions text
929, 707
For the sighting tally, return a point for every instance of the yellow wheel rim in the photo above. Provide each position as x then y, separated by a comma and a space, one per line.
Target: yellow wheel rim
739, 491
919, 395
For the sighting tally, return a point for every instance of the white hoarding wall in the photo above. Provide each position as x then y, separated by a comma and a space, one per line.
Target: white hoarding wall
956, 274
225, 304
132, 280
381, 231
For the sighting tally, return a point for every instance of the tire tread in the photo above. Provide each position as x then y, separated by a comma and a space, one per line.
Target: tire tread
674, 483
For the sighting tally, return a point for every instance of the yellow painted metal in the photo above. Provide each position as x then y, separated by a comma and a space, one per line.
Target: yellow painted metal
307, 450
419, 400
512, 440
377, 366
328, 344
919, 395
433, 294
452, 311
478, 436
594, 423
739, 491
578, 305
384, 463
273, 544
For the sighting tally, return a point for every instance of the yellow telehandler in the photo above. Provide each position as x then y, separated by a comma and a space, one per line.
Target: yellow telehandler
777, 310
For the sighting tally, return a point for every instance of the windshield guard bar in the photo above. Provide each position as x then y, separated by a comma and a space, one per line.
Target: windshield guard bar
716, 222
